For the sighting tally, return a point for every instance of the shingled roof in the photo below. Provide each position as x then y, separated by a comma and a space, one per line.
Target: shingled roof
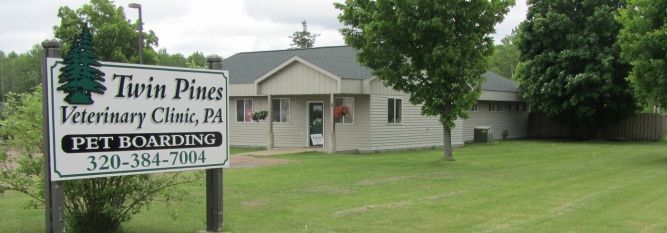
341, 61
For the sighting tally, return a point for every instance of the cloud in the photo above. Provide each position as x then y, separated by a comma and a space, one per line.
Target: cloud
316, 12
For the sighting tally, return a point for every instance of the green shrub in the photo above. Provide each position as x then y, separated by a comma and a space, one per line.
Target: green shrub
91, 205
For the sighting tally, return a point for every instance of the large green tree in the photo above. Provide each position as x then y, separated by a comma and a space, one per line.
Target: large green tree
570, 63
505, 56
433, 50
115, 37
643, 42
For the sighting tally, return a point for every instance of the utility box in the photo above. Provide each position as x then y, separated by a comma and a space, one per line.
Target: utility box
483, 134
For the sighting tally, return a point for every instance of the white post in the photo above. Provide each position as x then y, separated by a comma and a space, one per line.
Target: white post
269, 143
332, 132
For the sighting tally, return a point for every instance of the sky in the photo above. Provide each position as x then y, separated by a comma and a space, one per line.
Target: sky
222, 27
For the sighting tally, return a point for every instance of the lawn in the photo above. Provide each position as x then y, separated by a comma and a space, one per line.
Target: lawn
512, 186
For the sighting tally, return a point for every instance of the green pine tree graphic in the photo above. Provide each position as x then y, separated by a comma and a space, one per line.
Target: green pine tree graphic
79, 75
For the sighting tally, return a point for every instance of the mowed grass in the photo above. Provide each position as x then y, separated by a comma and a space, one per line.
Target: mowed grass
511, 186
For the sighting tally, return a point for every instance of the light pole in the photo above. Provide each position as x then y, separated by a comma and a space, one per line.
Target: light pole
141, 32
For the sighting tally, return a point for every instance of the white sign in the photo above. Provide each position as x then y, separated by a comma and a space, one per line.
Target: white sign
317, 139
122, 119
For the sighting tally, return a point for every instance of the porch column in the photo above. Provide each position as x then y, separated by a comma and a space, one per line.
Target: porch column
269, 143
332, 133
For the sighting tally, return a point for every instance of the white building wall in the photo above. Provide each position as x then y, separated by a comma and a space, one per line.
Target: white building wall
415, 130
515, 122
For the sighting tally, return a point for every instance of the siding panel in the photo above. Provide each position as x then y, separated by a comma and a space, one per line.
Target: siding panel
288, 82
516, 123
415, 130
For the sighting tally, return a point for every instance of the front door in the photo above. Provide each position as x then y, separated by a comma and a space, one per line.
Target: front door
315, 124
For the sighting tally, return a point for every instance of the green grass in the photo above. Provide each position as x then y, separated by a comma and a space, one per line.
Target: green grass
513, 186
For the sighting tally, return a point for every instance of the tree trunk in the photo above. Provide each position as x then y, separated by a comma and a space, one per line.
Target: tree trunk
447, 144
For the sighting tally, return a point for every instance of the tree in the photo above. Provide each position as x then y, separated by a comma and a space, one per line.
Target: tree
197, 60
166, 59
115, 37
433, 50
303, 39
20, 72
79, 75
505, 56
643, 41
570, 64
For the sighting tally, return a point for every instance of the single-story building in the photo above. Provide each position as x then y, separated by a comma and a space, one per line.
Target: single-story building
303, 90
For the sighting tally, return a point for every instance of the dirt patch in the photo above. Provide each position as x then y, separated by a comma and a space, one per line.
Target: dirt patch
366, 208
398, 204
371, 182
254, 203
329, 189
241, 161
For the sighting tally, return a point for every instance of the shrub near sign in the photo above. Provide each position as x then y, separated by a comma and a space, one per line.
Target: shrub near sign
110, 119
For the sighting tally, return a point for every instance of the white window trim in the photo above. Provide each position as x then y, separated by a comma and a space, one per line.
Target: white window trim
402, 110
289, 103
353, 109
475, 108
252, 109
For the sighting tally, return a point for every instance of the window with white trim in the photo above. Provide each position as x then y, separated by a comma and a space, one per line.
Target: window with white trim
244, 110
280, 109
394, 110
344, 110
475, 108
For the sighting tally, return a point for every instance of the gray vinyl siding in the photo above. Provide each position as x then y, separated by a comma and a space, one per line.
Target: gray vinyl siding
355, 136
295, 132
500, 96
415, 130
516, 123
297, 78
376, 87
247, 133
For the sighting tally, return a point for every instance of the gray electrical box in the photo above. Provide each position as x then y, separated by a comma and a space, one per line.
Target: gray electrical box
483, 134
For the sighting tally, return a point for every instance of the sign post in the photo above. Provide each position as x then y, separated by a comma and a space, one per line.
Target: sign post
214, 214
54, 196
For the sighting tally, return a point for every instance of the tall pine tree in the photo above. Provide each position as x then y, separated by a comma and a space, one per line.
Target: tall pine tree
80, 77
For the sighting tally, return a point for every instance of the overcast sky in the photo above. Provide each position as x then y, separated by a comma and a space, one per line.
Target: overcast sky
211, 26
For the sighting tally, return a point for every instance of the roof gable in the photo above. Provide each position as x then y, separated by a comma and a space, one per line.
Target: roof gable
289, 62
339, 61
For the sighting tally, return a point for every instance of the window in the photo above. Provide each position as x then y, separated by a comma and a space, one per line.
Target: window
244, 110
495, 107
280, 110
394, 110
344, 110
474, 108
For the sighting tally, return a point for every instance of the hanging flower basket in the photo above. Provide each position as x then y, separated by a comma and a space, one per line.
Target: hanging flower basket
341, 111
259, 116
